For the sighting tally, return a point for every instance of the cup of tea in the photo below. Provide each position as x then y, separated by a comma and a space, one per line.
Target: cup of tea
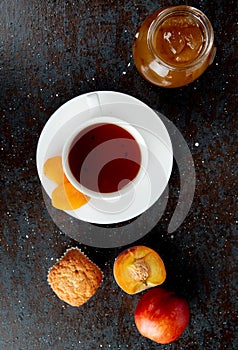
105, 157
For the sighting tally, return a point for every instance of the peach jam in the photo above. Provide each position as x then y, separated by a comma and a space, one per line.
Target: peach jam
174, 46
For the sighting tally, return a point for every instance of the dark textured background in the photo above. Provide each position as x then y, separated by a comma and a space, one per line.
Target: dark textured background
52, 51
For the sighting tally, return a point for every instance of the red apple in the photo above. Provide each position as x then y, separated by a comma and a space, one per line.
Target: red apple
161, 315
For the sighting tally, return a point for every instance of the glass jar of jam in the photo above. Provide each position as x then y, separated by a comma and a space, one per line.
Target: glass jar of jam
174, 46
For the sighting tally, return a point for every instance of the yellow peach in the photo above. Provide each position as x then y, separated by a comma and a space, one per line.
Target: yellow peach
138, 268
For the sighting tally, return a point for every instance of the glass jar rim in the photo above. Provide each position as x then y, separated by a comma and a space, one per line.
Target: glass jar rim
199, 16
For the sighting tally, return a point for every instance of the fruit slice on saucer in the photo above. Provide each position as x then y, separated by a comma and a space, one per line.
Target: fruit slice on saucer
138, 268
64, 196
53, 169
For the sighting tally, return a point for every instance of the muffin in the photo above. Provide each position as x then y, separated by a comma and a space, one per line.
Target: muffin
75, 278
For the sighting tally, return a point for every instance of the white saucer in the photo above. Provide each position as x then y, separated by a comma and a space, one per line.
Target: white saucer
133, 111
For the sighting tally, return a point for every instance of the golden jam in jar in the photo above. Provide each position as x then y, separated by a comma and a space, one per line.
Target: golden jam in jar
174, 46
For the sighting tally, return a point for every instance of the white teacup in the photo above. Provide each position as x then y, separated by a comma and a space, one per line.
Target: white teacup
87, 166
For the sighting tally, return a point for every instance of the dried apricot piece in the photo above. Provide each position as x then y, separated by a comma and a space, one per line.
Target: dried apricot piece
66, 197
65, 180
53, 169
59, 199
75, 197
138, 268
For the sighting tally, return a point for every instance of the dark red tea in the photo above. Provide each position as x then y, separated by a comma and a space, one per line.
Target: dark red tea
104, 158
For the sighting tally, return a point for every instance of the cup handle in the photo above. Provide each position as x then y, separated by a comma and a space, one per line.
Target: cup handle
94, 104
